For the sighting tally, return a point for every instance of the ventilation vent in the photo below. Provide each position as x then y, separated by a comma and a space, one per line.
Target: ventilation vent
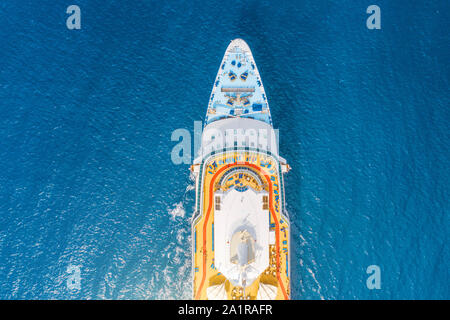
265, 203
217, 203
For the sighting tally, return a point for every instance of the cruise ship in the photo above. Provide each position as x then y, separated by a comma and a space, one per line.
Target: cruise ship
240, 227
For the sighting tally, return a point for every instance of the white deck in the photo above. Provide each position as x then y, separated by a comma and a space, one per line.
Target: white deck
241, 211
238, 132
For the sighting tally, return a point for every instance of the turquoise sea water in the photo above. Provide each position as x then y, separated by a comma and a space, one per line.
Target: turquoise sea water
85, 139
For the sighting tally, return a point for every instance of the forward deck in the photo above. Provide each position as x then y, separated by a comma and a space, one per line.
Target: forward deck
238, 90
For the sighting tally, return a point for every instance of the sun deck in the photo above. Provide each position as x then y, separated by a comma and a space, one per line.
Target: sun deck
241, 170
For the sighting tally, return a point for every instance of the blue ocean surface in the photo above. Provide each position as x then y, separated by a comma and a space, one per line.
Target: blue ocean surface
86, 118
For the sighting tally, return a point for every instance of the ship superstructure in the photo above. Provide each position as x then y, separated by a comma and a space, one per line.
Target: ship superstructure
240, 228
